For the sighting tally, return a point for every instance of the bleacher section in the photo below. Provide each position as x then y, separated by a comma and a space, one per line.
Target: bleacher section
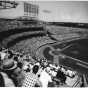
27, 36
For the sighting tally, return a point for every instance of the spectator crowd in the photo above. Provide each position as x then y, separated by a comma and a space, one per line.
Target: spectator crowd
22, 70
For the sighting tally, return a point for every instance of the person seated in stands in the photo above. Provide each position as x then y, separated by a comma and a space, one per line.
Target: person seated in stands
2, 55
25, 66
7, 55
4, 50
45, 77
10, 54
60, 78
31, 79
18, 58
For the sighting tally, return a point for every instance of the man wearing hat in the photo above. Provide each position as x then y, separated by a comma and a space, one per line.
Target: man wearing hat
9, 66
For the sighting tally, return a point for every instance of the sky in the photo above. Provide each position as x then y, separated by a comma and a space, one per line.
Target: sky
69, 11
60, 11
